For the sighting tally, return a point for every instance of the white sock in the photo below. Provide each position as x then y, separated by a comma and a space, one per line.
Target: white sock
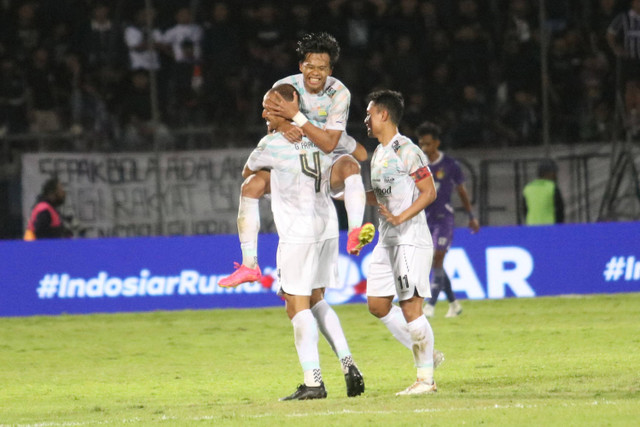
305, 332
354, 200
395, 322
329, 325
422, 338
248, 228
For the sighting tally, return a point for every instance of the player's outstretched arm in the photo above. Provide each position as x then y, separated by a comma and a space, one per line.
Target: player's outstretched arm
326, 140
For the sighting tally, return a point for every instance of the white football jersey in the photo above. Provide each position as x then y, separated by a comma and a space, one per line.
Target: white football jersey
394, 187
302, 207
328, 109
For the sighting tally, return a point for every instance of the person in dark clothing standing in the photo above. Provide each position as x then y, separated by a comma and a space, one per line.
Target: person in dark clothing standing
45, 222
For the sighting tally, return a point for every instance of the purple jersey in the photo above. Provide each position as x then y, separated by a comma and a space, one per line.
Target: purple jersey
447, 176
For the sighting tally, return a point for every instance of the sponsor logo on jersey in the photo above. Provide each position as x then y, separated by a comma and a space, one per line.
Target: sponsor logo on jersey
382, 192
330, 91
395, 145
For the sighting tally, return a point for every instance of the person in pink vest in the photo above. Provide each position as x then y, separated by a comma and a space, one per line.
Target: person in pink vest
45, 222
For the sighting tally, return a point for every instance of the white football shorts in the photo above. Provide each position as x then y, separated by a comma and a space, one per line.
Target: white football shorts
400, 270
302, 267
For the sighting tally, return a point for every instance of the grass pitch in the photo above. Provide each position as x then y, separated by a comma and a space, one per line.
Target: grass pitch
569, 361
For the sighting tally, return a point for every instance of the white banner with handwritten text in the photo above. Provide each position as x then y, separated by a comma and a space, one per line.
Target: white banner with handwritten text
141, 194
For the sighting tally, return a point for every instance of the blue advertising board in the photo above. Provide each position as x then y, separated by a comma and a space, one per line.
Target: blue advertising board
169, 273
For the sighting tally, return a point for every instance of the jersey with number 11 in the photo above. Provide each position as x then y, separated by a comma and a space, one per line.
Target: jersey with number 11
392, 166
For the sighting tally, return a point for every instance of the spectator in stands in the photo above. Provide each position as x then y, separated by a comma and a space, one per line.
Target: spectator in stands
300, 20
565, 91
254, 39
13, 98
602, 15
61, 42
185, 93
43, 105
407, 67
143, 45
472, 123
99, 40
83, 109
404, 17
141, 133
593, 112
520, 65
520, 21
221, 45
623, 37
471, 53
184, 29
596, 122
543, 202
440, 90
519, 121
24, 33
45, 221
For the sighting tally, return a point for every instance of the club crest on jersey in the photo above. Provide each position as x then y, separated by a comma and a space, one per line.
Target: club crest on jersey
330, 92
395, 145
440, 174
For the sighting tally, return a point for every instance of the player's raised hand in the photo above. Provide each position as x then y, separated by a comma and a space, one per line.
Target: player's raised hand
279, 106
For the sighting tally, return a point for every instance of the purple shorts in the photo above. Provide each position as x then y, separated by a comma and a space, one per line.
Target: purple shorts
441, 228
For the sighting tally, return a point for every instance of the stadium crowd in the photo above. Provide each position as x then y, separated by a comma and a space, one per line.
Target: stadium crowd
472, 66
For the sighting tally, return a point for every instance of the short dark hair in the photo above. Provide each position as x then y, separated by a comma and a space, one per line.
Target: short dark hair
547, 167
318, 43
391, 101
286, 90
428, 128
50, 186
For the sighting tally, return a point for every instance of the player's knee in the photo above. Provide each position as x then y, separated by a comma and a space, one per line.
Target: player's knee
378, 310
351, 167
347, 166
254, 187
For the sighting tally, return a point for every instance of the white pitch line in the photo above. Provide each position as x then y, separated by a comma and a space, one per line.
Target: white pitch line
297, 415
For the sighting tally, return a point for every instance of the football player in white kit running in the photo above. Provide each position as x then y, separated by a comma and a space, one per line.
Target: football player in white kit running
307, 256
402, 186
321, 115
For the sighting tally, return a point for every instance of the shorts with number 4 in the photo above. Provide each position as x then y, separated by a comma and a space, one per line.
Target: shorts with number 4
401, 270
303, 267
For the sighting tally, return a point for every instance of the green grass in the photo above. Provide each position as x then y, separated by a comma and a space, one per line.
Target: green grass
569, 361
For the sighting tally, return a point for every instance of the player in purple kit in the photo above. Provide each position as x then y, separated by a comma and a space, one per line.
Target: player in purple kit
440, 215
